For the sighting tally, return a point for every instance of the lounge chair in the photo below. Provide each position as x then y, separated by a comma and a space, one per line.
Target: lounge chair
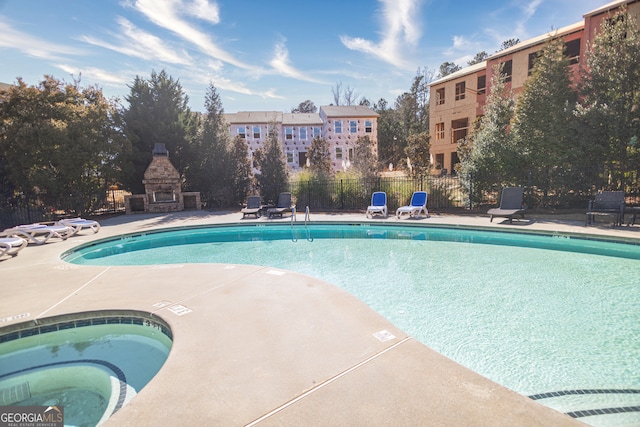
78, 224
510, 204
38, 233
253, 207
12, 245
417, 205
378, 204
284, 205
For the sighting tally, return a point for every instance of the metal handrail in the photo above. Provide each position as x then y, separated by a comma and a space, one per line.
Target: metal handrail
306, 215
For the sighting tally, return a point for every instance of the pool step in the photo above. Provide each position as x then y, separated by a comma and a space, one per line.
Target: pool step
626, 402
14, 394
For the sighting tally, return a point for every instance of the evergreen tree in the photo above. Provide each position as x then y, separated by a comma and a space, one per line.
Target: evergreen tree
417, 151
158, 113
241, 178
364, 161
319, 156
543, 120
610, 106
273, 174
488, 158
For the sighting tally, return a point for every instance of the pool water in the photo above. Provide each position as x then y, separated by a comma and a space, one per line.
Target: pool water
535, 313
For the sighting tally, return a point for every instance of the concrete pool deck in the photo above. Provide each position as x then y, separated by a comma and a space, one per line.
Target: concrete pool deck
261, 346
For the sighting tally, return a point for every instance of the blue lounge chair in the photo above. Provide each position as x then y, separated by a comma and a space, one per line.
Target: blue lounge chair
416, 207
378, 204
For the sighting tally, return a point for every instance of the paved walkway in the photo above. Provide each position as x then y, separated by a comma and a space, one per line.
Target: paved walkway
267, 349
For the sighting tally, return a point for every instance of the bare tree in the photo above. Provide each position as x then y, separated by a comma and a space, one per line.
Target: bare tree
337, 93
350, 96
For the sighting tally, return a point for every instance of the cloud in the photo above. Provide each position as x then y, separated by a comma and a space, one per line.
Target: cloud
95, 74
280, 62
204, 10
140, 44
401, 29
166, 14
33, 46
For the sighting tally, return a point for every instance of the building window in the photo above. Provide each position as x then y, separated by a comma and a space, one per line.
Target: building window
572, 51
460, 89
303, 133
338, 126
289, 157
317, 131
288, 133
338, 153
350, 154
507, 70
256, 132
368, 126
439, 130
241, 132
353, 126
482, 84
440, 96
439, 161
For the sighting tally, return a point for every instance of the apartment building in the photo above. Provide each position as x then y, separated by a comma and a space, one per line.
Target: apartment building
459, 98
339, 125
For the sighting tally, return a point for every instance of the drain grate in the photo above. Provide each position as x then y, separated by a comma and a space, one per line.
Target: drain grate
14, 394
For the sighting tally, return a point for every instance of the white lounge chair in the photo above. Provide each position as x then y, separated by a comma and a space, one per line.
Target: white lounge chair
417, 205
78, 224
378, 204
12, 245
38, 233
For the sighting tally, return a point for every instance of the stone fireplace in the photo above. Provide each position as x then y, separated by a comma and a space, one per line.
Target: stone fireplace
162, 188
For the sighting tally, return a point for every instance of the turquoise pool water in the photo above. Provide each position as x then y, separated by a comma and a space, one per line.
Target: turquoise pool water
91, 365
537, 313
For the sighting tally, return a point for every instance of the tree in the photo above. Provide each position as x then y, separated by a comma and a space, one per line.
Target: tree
60, 143
241, 179
447, 68
273, 173
417, 152
610, 106
542, 124
507, 44
337, 93
487, 157
480, 56
158, 113
305, 107
319, 156
364, 158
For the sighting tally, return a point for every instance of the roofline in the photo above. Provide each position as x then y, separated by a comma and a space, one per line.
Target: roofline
608, 7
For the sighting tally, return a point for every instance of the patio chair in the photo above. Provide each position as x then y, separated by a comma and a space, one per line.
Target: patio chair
284, 205
378, 204
253, 206
12, 245
78, 224
38, 233
510, 204
417, 205
607, 203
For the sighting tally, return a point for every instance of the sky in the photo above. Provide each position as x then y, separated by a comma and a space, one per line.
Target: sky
263, 54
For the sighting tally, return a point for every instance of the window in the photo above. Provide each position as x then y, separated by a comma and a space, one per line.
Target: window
241, 132
482, 84
288, 133
507, 70
572, 51
338, 153
338, 126
439, 130
350, 154
256, 132
368, 126
353, 126
532, 60
317, 131
289, 157
460, 89
439, 161
440, 96
303, 133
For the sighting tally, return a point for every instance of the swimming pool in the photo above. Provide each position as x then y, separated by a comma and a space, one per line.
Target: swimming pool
538, 313
91, 364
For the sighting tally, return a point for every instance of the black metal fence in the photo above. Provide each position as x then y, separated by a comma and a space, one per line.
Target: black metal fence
355, 194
